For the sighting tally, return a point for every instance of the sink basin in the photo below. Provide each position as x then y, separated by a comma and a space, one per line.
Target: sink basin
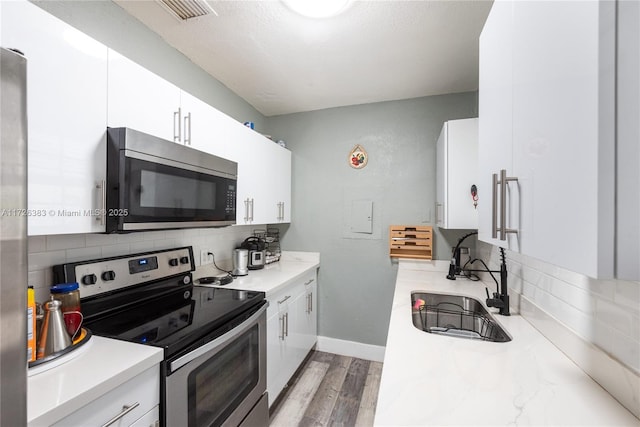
455, 315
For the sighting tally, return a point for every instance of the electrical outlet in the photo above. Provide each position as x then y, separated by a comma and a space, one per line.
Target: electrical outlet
205, 258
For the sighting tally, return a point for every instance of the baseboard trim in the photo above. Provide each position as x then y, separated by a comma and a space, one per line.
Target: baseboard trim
618, 380
351, 348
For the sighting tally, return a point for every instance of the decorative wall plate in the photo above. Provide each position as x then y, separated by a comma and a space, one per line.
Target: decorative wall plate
358, 157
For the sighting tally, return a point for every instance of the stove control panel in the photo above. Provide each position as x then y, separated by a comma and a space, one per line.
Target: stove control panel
109, 274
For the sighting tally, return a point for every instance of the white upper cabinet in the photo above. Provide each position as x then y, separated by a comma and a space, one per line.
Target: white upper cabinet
204, 127
141, 100
551, 124
456, 173
67, 118
495, 122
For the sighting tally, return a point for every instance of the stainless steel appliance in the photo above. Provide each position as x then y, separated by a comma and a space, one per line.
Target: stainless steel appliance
240, 262
156, 184
13, 238
214, 339
257, 253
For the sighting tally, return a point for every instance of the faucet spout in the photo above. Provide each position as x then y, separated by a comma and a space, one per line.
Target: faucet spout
501, 300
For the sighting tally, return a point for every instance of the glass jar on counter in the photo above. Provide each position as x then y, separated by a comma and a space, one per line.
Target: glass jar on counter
69, 295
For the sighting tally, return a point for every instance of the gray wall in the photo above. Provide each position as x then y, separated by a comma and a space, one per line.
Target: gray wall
108, 23
357, 276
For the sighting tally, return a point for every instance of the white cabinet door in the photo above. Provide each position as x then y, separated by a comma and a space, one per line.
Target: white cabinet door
276, 379
249, 150
309, 314
547, 84
143, 101
278, 185
203, 127
457, 171
66, 107
495, 121
563, 132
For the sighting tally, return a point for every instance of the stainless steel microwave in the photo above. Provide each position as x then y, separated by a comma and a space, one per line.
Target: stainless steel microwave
155, 184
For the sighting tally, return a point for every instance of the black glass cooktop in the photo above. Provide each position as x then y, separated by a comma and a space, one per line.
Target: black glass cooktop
181, 320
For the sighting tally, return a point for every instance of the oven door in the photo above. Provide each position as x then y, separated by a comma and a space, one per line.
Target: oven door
219, 383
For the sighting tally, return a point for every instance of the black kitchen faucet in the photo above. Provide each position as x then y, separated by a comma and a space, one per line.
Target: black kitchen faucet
500, 298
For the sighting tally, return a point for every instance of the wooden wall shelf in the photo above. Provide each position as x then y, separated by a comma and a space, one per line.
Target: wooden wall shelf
411, 241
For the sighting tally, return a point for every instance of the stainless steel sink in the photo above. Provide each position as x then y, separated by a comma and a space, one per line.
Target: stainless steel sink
455, 315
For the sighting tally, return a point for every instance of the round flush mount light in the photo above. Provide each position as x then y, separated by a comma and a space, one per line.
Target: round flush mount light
317, 8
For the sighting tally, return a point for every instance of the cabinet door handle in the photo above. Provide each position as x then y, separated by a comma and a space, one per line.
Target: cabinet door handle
503, 204
177, 116
286, 324
284, 299
187, 129
246, 210
125, 410
251, 210
308, 282
494, 206
281, 335
102, 186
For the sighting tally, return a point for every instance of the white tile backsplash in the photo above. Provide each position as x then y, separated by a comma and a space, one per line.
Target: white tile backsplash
47, 251
595, 322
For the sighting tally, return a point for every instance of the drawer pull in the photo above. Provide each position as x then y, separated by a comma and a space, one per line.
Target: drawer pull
308, 282
125, 410
284, 299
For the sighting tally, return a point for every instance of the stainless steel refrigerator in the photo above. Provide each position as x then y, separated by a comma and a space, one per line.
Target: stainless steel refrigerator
13, 239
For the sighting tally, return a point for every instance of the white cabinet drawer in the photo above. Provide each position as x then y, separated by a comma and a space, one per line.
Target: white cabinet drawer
143, 390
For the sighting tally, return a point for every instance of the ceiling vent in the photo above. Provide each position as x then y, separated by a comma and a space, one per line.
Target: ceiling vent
187, 9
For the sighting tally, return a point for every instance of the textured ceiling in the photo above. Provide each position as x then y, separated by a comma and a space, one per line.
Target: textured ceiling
282, 63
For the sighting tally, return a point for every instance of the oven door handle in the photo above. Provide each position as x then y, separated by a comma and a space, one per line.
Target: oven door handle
220, 341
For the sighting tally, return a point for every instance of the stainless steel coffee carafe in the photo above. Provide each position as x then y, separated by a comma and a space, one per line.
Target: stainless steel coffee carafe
240, 262
53, 336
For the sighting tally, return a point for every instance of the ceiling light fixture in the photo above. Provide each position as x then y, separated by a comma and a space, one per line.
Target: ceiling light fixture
317, 8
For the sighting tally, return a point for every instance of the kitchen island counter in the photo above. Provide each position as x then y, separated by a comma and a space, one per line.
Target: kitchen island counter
430, 379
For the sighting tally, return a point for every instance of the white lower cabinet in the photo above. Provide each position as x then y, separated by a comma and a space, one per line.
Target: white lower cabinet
291, 331
131, 403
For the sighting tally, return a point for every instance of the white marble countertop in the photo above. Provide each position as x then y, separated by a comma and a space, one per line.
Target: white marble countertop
430, 379
272, 277
88, 372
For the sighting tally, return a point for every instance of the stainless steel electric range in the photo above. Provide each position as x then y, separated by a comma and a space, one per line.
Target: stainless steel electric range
214, 339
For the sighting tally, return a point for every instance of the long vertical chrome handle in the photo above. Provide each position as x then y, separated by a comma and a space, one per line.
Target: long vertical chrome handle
311, 305
246, 210
281, 320
187, 129
494, 207
178, 115
504, 179
103, 198
251, 210
286, 323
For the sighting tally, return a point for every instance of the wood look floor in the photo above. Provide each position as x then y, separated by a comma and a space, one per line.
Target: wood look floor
329, 390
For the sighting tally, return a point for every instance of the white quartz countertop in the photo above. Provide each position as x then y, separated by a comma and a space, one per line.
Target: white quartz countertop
271, 278
430, 379
88, 372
